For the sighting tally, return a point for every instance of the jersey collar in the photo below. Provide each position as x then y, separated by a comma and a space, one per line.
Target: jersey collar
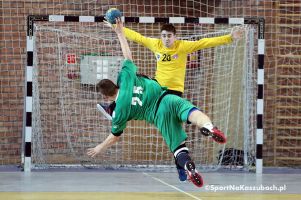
117, 95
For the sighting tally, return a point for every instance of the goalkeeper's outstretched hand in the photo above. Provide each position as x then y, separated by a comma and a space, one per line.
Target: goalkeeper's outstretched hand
237, 32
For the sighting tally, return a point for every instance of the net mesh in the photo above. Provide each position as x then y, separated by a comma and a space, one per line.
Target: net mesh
282, 62
69, 58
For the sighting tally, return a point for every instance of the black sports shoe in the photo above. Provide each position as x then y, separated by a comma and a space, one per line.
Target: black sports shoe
217, 135
193, 174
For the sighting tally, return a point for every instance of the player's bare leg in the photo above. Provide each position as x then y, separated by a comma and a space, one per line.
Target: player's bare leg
206, 127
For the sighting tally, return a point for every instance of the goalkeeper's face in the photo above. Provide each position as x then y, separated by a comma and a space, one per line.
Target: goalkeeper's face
168, 38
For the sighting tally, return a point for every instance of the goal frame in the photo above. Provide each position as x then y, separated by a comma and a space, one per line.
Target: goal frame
28, 89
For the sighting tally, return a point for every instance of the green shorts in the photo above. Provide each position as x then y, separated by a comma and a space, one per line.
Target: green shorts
172, 111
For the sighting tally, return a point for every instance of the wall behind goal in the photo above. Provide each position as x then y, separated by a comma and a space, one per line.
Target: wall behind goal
282, 125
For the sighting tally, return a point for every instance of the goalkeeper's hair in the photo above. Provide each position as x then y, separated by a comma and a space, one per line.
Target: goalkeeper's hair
106, 87
169, 28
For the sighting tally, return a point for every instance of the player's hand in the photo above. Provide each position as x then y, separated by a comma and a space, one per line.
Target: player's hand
118, 28
92, 152
108, 24
237, 32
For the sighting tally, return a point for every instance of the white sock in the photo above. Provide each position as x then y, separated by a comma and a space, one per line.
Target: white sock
208, 126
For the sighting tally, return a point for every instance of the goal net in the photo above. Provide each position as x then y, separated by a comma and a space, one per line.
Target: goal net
71, 57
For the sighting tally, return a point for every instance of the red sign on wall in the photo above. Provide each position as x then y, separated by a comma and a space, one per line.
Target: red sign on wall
71, 58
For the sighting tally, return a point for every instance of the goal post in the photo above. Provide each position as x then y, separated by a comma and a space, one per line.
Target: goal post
67, 55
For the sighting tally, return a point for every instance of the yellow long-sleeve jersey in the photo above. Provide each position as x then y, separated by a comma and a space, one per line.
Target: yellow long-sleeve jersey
171, 62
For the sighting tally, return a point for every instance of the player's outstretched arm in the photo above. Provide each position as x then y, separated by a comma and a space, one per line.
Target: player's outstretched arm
118, 28
109, 141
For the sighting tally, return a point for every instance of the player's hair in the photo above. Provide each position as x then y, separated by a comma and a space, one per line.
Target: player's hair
106, 87
169, 28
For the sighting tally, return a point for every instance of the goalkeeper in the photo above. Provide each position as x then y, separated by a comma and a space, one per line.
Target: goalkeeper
138, 98
171, 54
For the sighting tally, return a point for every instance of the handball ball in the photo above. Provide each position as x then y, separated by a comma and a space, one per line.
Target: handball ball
112, 14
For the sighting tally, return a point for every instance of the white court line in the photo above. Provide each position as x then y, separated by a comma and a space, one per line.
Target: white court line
172, 186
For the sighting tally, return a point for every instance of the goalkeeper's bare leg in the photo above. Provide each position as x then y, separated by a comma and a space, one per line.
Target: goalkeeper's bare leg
206, 127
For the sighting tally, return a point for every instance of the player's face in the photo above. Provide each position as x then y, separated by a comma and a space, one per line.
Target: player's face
167, 38
108, 98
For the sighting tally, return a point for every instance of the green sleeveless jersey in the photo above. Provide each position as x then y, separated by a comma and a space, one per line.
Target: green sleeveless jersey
136, 99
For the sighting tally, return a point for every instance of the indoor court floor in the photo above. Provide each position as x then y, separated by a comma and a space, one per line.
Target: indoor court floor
133, 185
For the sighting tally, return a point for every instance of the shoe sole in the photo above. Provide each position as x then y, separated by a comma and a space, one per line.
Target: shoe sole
194, 177
219, 138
